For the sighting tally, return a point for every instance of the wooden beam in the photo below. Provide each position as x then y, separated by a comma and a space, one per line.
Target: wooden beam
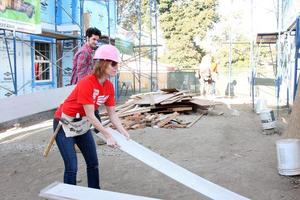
62, 191
134, 111
163, 165
180, 109
167, 120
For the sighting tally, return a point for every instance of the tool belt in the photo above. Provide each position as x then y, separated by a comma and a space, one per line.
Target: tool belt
74, 128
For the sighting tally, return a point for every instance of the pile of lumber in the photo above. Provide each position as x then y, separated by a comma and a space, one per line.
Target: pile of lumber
158, 109
139, 120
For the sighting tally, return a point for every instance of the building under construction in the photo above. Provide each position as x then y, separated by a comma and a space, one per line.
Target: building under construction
38, 40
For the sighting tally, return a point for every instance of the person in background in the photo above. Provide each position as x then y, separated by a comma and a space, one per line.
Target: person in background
205, 75
231, 85
214, 76
83, 59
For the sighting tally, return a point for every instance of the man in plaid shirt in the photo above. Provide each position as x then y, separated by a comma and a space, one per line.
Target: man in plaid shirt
83, 59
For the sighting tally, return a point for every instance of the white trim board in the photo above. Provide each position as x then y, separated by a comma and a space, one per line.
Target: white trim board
172, 170
15, 107
62, 191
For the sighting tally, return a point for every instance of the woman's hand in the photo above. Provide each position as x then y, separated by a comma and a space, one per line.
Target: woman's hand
116, 121
111, 142
126, 134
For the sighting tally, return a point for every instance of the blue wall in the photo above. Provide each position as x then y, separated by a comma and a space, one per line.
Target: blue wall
97, 9
99, 16
48, 11
68, 11
72, 7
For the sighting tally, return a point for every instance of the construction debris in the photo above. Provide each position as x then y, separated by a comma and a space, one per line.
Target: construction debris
159, 109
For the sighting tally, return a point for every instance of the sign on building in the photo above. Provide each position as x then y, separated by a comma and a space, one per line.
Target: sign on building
20, 15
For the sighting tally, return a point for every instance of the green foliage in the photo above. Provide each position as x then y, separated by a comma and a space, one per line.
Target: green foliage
181, 22
240, 53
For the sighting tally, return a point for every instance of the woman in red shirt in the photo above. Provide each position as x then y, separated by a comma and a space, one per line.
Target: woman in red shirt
76, 114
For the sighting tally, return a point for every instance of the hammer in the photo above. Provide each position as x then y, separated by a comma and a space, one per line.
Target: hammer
51, 142
46, 151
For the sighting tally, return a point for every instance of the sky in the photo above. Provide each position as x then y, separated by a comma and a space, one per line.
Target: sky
264, 19
264, 14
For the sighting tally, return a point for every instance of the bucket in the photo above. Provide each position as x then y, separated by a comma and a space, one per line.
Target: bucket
288, 156
267, 119
260, 105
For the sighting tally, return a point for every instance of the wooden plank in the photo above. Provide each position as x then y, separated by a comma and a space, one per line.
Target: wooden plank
170, 101
157, 99
177, 97
175, 126
150, 117
131, 112
186, 98
128, 123
127, 113
16, 107
62, 191
169, 90
141, 95
152, 102
202, 102
138, 126
126, 108
127, 103
180, 122
167, 120
122, 108
180, 109
187, 178
193, 122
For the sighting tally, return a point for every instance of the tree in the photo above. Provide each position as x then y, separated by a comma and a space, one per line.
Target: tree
181, 22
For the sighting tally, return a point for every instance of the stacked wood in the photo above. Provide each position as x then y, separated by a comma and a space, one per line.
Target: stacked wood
158, 109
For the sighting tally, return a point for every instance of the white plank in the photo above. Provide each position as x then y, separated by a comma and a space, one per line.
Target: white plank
62, 191
24, 105
174, 171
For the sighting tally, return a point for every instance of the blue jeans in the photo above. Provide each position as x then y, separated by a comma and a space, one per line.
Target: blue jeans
87, 147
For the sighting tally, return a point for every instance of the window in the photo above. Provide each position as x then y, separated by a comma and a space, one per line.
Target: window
42, 65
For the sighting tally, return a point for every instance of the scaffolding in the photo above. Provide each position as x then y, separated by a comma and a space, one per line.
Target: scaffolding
59, 36
78, 40
285, 64
151, 47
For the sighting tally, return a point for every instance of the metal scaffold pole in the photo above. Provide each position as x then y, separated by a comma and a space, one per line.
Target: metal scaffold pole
15, 62
278, 74
81, 22
156, 50
252, 65
108, 20
140, 40
151, 46
230, 58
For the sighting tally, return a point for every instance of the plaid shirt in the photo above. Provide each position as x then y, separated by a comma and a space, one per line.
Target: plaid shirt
82, 64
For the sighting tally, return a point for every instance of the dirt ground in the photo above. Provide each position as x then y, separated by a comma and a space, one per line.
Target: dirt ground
230, 150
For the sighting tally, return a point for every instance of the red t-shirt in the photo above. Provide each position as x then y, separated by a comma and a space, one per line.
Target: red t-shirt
87, 91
